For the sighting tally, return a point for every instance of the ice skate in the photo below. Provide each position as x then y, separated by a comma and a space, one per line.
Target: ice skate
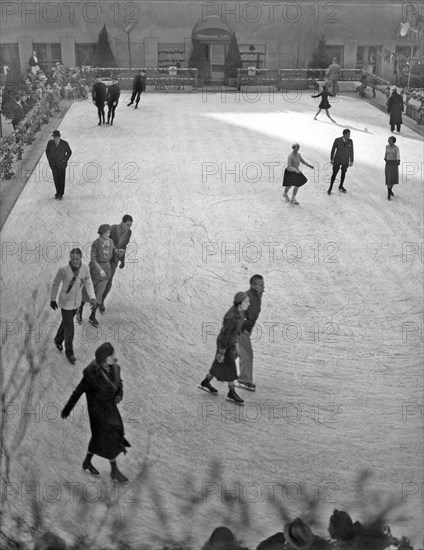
118, 476
294, 201
234, 398
86, 465
207, 386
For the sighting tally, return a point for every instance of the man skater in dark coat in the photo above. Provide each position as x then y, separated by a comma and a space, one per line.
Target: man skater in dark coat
395, 108
341, 156
98, 94
103, 389
58, 153
139, 86
113, 94
257, 288
120, 235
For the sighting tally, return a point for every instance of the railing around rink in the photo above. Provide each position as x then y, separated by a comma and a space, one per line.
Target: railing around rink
159, 78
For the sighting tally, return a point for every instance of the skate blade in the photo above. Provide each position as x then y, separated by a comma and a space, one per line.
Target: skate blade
207, 391
245, 388
235, 402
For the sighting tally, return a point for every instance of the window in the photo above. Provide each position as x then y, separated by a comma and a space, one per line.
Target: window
85, 54
171, 55
336, 51
252, 55
360, 57
47, 55
7, 53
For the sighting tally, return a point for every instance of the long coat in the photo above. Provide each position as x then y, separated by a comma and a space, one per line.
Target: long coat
58, 156
226, 343
139, 83
395, 108
113, 94
98, 93
107, 429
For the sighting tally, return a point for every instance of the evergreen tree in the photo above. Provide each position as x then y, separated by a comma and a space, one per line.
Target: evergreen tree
103, 56
199, 60
232, 59
320, 58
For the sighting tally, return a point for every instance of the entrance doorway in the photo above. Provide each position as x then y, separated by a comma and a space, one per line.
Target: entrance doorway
217, 62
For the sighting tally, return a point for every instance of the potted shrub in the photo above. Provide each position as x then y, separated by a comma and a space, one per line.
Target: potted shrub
233, 62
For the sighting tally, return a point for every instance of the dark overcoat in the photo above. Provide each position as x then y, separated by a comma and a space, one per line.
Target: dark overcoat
101, 389
113, 94
58, 156
395, 108
98, 93
226, 343
139, 83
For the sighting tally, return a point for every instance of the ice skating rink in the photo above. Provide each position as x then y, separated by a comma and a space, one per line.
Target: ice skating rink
338, 348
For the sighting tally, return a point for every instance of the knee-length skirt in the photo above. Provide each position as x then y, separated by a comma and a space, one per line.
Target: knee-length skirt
294, 179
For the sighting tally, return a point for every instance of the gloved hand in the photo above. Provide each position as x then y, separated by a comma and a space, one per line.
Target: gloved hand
65, 413
53, 305
121, 265
118, 399
93, 302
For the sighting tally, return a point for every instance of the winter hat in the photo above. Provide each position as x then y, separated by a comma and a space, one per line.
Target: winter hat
49, 541
103, 352
221, 539
341, 526
275, 542
239, 297
298, 535
103, 228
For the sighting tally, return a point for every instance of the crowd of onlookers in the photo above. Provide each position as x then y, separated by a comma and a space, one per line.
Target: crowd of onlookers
296, 535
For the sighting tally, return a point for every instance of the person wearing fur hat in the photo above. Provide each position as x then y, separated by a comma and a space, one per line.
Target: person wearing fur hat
224, 366
103, 389
102, 252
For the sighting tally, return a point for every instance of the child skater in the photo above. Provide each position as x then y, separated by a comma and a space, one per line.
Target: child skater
324, 103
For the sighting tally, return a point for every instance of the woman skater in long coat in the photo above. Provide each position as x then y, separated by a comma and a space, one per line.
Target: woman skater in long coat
293, 177
324, 104
395, 108
392, 159
102, 251
224, 367
102, 386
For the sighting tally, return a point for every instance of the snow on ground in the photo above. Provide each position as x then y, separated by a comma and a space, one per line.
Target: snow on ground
338, 349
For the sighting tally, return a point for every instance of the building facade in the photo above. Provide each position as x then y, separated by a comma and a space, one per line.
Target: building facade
270, 34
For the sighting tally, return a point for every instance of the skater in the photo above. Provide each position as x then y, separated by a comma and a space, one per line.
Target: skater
73, 276
324, 104
257, 288
102, 251
224, 367
58, 153
293, 177
103, 389
98, 93
341, 156
113, 94
333, 75
139, 86
395, 108
120, 235
392, 159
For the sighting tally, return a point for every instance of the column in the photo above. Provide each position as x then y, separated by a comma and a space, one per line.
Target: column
151, 56
25, 52
188, 46
271, 54
67, 51
350, 54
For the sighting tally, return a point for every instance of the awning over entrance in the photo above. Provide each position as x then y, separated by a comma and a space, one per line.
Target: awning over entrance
212, 29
